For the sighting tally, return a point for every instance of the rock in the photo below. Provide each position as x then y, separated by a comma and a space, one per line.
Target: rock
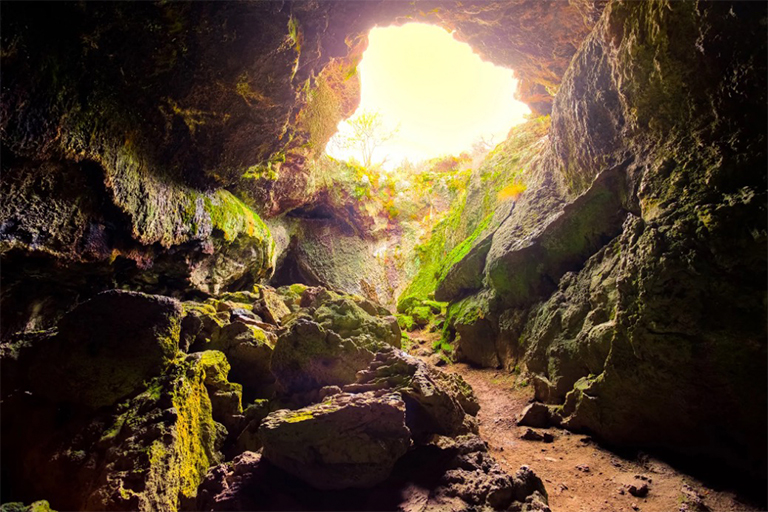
639, 489
447, 474
248, 439
306, 442
437, 402
535, 415
271, 306
37, 506
308, 357
693, 501
532, 435
107, 347
583, 468
167, 435
291, 295
348, 320
473, 479
226, 397
249, 350
148, 452
472, 320
244, 316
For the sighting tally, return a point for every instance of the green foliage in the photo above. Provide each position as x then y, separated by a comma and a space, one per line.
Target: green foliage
472, 211
405, 322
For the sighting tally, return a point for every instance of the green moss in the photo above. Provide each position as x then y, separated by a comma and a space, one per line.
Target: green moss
405, 322
302, 415
294, 33
298, 288
472, 212
232, 217
194, 450
37, 506
422, 315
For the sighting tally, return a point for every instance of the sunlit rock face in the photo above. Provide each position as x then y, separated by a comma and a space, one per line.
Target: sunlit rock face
631, 282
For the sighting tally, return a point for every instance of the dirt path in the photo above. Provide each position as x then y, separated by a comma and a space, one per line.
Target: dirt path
578, 474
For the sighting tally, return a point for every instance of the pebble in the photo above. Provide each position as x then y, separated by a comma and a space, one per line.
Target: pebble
583, 468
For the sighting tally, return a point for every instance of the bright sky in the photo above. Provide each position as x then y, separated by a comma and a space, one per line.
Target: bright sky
440, 93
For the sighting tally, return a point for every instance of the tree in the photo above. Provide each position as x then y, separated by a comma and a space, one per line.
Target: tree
366, 134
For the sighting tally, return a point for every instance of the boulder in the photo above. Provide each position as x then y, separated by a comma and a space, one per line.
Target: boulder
226, 397
535, 415
249, 350
472, 318
107, 347
473, 480
307, 357
349, 440
448, 474
157, 447
437, 402
345, 317
270, 306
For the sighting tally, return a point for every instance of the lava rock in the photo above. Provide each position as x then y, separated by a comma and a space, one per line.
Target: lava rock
346, 441
535, 415
437, 402
107, 347
308, 357
271, 306
345, 317
532, 435
639, 489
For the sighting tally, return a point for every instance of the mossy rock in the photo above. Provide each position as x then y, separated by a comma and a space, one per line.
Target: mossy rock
107, 347
308, 357
307, 442
422, 315
405, 322
249, 351
226, 397
169, 435
37, 506
473, 321
346, 318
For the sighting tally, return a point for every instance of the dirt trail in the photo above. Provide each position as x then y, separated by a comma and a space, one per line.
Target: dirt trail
578, 474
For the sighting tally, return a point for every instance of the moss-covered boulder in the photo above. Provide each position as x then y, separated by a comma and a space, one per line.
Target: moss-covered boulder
226, 397
159, 445
270, 305
37, 506
349, 440
308, 357
472, 320
437, 402
107, 347
349, 320
291, 295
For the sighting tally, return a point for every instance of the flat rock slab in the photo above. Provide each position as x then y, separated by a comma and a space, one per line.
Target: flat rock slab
345, 441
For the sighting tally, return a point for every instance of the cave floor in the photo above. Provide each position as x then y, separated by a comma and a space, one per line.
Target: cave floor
579, 474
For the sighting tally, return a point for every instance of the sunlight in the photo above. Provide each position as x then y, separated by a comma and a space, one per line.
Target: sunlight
438, 94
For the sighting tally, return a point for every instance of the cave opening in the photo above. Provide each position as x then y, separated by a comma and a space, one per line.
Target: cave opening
425, 94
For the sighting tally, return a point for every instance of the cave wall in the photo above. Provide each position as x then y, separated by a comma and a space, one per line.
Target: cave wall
631, 285
143, 142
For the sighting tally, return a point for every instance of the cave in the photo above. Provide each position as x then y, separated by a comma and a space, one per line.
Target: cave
200, 309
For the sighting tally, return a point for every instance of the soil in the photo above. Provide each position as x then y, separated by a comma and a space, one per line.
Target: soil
579, 475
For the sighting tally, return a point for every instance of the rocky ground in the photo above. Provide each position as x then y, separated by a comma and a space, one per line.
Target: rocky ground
579, 474
142, 402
